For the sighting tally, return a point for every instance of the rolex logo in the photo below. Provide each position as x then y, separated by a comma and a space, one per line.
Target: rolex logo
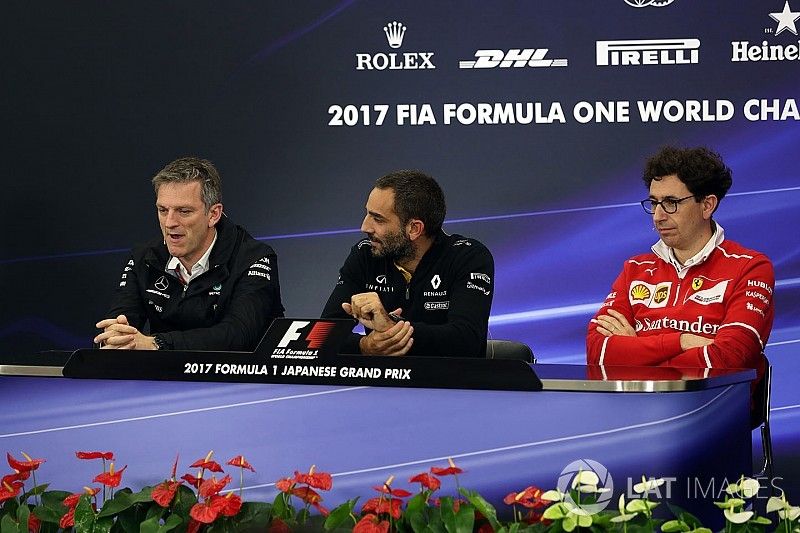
394, 34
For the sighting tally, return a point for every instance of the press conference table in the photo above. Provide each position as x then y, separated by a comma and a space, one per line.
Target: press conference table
658, 422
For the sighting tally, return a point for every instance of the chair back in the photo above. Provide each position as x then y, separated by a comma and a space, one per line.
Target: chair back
504, 349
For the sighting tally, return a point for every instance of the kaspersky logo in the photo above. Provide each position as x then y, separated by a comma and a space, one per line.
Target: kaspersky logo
395, 33
316, 336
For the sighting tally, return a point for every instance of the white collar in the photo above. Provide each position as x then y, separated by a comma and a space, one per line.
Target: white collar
200, 267
667, 254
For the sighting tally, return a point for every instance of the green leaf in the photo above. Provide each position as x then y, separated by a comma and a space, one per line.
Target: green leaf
681, 514
569, 523
417, 521
120, 502
761, 520
54, 500
416, 502
8, 525
674, 525
23, 513
555, 512
46, 514
103, 525
154, 511
151, 525
282, 508
183, 502
84, 516
464, 520
484, 507
340, 515
38, 489
255, 515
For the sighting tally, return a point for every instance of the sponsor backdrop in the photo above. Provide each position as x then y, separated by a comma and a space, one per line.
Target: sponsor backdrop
534, 116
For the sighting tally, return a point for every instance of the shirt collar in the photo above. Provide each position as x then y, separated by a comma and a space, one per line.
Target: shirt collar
666, 253
200, 267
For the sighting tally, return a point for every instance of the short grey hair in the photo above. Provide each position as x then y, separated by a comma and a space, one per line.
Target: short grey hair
187, 169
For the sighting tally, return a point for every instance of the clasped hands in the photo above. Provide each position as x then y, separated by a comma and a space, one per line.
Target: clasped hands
119, 335
615, 323
387, 336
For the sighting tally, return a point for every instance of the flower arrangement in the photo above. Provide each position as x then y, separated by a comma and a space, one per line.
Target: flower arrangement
202, 502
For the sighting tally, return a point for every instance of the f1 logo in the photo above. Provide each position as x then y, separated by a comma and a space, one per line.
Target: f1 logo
293, 333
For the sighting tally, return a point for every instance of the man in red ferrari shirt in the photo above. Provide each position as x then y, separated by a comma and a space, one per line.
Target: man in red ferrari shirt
698, 299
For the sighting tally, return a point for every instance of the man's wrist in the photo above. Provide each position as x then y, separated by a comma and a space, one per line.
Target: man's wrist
158, 343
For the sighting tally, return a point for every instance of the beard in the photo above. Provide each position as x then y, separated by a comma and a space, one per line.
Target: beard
395, 246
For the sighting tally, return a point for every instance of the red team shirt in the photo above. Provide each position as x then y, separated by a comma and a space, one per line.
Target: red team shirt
723, 293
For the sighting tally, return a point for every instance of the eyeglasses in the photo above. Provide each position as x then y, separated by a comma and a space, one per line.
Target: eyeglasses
669, 205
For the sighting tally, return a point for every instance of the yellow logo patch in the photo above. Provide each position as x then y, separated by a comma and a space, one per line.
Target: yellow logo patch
640, 292
661, 294
697, 283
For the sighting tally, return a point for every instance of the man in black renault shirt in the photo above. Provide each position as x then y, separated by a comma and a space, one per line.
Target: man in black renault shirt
206, 284
417, 290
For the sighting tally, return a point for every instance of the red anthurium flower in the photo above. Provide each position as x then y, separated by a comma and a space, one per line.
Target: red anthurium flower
207, 511
383, 506
191, 480
307, 494
72, 499
486, 528
449, 471
10, 490
68, 520
231, 504
456, 503
278, 526
207, 464
386, 489
530, 498
241, 462
17, 476
108, 456
194, 526
111, 478
210, 487
534, 517
211, 466
23, 466
321, 508
371, 524
34, 524
285, 485
318, 480
163, 493
426, 480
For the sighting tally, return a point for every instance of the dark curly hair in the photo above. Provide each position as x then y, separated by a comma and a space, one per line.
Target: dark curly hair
700, 169
416, 195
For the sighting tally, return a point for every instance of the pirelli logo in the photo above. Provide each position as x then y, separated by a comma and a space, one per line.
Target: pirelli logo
648, 52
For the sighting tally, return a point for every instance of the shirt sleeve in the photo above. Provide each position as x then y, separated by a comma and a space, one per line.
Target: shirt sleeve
650, 350
127, 298
254, 303
350, 282
464, 334
745, 328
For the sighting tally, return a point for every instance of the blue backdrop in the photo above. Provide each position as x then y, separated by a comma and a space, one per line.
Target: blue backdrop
301, 107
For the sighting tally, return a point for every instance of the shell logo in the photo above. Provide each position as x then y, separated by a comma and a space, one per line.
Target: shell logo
640, 292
